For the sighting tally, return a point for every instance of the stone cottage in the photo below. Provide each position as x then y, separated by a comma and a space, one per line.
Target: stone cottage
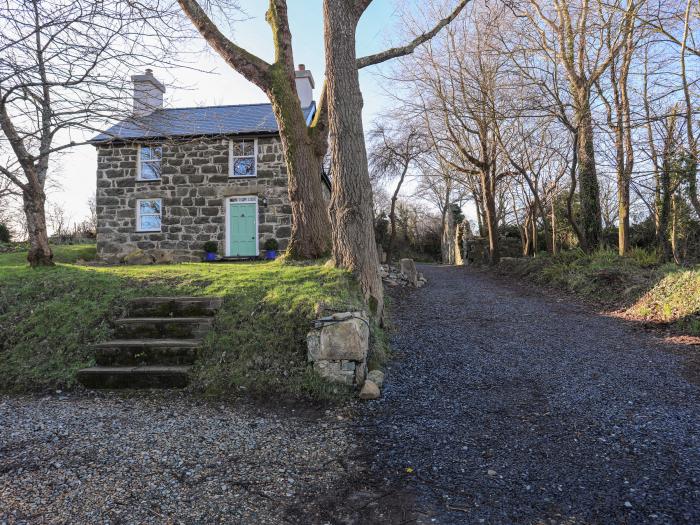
169, 180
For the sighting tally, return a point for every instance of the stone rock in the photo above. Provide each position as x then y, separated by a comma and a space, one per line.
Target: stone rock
162, 257
381, 254
333, 371
408, 268
137, 257
341, 337
377, 377
369, 390
360, 373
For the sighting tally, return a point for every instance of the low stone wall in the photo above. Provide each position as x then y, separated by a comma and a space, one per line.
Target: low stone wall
338, 347
476, 249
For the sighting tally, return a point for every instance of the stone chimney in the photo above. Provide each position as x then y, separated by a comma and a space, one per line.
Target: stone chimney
148, 93
305, 86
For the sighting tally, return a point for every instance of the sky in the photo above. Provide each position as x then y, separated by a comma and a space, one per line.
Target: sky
188, 87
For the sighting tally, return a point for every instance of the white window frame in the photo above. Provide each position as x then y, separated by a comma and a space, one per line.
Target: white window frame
139, 161
232, 158
242, 199
138, 215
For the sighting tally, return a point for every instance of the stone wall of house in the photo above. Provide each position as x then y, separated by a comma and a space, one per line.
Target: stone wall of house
193, 188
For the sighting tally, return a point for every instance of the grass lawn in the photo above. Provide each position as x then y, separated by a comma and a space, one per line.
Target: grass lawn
49, 317
646, 290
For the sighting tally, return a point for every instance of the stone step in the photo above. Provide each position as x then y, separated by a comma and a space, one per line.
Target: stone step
139, 352
163, 327
174, 307
135, 377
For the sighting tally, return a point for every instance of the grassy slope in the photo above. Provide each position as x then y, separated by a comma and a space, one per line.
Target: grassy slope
646, 290
48, 318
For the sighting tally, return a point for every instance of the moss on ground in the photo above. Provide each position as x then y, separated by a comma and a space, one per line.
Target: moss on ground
49, 317
638, 284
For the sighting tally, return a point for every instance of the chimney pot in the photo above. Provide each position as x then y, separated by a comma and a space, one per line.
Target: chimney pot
305, 85
148, 93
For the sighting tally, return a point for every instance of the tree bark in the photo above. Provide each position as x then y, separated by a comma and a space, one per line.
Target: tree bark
392, 216
488, 185
354, 247
589, 191
40, 253
310, 235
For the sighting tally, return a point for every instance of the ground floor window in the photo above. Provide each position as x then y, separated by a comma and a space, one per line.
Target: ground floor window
148, 215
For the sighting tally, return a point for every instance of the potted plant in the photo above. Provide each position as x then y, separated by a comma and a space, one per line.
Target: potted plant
271, 246
210, 248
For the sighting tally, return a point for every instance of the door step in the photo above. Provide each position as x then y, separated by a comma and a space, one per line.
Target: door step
156, 345
163, 327
174, 307
140, 352
135, 377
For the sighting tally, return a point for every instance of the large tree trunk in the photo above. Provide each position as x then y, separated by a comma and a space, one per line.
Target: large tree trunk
555, 247
310, 237
39, 250
589, 191
662, 239
354, 247
447, 241
392, 217
488, 185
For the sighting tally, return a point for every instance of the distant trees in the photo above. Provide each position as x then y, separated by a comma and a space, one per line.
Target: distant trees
573, 121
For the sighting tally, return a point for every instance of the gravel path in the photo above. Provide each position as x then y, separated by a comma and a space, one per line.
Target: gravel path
156, 458
513, 408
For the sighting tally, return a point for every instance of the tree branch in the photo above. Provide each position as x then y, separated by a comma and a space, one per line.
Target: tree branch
247, 64
396, 52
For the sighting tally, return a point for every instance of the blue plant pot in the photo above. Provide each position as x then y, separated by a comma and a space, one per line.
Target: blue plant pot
210, 257
270, 255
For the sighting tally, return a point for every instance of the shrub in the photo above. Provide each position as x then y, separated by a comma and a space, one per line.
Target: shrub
5, 235
211, 247
271, 244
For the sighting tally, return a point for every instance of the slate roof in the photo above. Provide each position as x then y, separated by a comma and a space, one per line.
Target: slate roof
245, 119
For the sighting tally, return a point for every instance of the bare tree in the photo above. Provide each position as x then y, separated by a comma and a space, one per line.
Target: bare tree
576, 33
304, 147
393, 153
62, 70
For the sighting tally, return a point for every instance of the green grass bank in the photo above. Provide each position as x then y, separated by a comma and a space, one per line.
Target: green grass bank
50, 316
666, 294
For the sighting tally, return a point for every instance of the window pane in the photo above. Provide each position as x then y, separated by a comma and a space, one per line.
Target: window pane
151, 152
244, 166
146, 207
237, 149
249, 148
150, 222
150, 170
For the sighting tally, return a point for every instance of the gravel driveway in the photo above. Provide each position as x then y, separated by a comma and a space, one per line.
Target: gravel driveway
501, 407
509, 407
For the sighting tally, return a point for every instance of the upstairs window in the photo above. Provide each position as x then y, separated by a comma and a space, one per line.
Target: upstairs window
148, 215
243, 155
149, 162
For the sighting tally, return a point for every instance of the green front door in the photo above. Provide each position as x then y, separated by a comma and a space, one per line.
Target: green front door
243, 230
